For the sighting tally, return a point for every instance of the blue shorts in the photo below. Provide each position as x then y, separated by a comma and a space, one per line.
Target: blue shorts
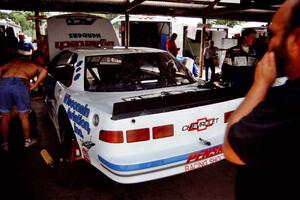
14, 91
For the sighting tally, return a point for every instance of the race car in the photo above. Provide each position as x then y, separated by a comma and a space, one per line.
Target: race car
136, 114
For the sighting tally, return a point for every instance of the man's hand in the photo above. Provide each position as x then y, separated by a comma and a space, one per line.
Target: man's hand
32, 86
265, 72
41, 77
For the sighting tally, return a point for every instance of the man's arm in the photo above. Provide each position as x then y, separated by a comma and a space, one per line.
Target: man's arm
42, 74
204, 52
167, 45
265, 76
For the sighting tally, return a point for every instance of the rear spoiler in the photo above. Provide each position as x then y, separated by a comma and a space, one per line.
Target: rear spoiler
122, 110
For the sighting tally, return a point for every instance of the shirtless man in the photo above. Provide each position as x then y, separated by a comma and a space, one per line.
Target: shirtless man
15, 90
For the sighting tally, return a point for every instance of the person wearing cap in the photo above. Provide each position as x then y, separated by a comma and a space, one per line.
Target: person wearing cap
25, 48
15, 91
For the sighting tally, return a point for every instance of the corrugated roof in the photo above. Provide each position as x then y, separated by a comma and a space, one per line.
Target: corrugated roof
244, 10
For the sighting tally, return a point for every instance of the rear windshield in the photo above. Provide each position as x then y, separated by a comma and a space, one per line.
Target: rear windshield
131, 72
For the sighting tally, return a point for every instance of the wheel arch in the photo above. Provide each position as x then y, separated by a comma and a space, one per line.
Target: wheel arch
63, 120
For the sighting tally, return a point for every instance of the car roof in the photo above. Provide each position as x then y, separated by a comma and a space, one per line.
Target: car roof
90, 51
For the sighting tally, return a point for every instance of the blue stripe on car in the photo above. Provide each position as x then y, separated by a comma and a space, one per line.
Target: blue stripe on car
141, 166
146, 165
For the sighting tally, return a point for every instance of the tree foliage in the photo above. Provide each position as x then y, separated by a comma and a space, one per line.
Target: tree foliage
3, 15
21, 18
229, 23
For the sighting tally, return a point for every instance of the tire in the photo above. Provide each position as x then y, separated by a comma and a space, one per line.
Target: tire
68, 139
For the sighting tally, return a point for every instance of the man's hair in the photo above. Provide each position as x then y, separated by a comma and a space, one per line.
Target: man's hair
10, 32
247, 32
174, 36
294, 21
295, 16
36, 54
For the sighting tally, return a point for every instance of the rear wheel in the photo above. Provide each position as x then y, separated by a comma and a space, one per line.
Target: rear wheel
69, 147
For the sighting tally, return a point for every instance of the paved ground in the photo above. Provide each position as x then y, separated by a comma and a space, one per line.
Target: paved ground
24, 174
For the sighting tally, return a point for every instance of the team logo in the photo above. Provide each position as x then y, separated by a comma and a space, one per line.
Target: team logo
201, 124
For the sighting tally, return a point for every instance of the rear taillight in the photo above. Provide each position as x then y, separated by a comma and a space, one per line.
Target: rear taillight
227, 115
111, 136
138, 135
163, 131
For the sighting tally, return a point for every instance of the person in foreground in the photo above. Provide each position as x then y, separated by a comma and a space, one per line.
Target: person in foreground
262, 135
15, 91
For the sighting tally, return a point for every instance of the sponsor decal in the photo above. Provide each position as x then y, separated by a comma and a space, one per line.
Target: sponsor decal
80, 20
78, 120
77, 130
88, 43
203, 163
201, 124
203, 158
203, 154
84, 35
82, 111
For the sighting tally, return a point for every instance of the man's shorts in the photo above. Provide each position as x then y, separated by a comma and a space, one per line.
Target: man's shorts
14, 91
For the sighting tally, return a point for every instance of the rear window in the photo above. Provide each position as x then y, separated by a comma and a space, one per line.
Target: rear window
131, 72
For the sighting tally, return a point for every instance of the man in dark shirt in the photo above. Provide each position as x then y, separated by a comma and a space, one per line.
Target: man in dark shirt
262, 134
239, 63
10, 45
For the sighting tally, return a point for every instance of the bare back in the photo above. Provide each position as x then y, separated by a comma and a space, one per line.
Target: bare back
20, 68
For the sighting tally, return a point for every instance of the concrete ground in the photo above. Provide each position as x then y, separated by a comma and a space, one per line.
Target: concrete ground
25, 175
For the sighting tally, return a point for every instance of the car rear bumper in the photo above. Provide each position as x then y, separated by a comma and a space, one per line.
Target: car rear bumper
140, 172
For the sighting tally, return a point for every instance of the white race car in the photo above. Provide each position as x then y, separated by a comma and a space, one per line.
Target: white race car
136, 114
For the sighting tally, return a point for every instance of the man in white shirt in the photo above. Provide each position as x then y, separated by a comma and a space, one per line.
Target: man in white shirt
209, 55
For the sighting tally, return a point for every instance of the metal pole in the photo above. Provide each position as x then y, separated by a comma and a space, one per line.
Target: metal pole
127, 30
37, 24
201, 60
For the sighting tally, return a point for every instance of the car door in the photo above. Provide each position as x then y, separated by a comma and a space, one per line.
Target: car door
61, 70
